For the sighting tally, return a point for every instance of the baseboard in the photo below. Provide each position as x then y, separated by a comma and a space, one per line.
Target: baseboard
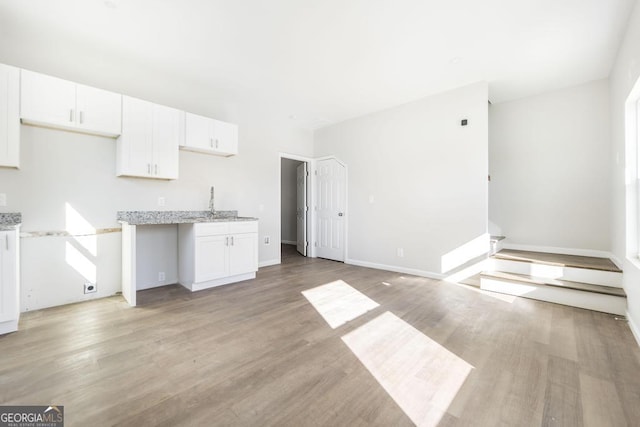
288, 242
8, 326
269, 263
396, 269
617, 261
634, 328
564, 251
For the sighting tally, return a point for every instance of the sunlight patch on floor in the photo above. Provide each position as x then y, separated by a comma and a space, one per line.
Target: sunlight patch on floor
338, 302
421, 376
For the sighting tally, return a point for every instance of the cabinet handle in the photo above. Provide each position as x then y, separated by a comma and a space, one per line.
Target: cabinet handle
71, 115
6, 241
80, 117
156, 169
216, 142
226, 243
211, 142
231, 240
149, 168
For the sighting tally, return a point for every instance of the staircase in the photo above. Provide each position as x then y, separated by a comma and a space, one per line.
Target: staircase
579, 281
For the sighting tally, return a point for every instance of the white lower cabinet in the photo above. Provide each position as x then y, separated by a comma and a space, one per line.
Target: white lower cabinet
217, 253
9, 279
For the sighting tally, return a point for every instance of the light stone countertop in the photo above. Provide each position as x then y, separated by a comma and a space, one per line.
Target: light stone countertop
10, 220
179, 217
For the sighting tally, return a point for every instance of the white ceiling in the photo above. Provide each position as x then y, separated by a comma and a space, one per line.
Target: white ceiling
321, 61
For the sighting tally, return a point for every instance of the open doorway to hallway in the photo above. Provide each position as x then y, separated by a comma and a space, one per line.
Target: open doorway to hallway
294, 205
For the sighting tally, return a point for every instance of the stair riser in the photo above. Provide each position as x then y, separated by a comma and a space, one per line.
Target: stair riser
495, 246
583, 275
571, 297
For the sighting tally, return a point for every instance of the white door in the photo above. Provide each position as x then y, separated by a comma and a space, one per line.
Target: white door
331, 202
9, 116
99, 110
242, 253
199, 132
301, 208
47, 100
8, 277
166, 140
225, 137
212, 257
135, 145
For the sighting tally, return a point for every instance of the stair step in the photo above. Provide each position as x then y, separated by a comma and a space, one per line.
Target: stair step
592, 297
472, 280
560, 260
567, 284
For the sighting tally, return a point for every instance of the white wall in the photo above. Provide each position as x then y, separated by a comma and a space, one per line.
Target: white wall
624, 75
60, 167
426, 174
549, 165
288, 200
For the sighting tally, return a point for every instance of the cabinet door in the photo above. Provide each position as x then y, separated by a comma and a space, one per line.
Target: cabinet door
9, 116
8, 276
225, 136
198, 132
99, 111
166, 138
47, 100
135, 145
243, 254
212, 258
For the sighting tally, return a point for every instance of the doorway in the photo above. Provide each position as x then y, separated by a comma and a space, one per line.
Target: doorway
294, 206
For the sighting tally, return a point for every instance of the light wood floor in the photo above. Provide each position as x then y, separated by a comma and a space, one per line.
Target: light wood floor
563, 260
258, 353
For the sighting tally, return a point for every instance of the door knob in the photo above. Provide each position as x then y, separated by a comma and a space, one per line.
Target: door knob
340, 214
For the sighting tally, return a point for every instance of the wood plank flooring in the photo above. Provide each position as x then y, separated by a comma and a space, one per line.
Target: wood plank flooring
258, 353
576, 261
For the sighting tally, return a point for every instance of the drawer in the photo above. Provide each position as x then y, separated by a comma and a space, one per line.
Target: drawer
243, 227
211, 228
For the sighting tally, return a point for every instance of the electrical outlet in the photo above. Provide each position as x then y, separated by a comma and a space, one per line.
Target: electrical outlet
3, 199
90, 288
267, 240
160, 201
400, 252
161, 276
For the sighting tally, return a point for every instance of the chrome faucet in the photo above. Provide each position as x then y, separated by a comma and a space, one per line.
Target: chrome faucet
211, 204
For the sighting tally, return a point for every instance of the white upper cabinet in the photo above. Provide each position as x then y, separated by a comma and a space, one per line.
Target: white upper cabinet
210, 136
50, 101
151, 135
9, 116
99, 110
